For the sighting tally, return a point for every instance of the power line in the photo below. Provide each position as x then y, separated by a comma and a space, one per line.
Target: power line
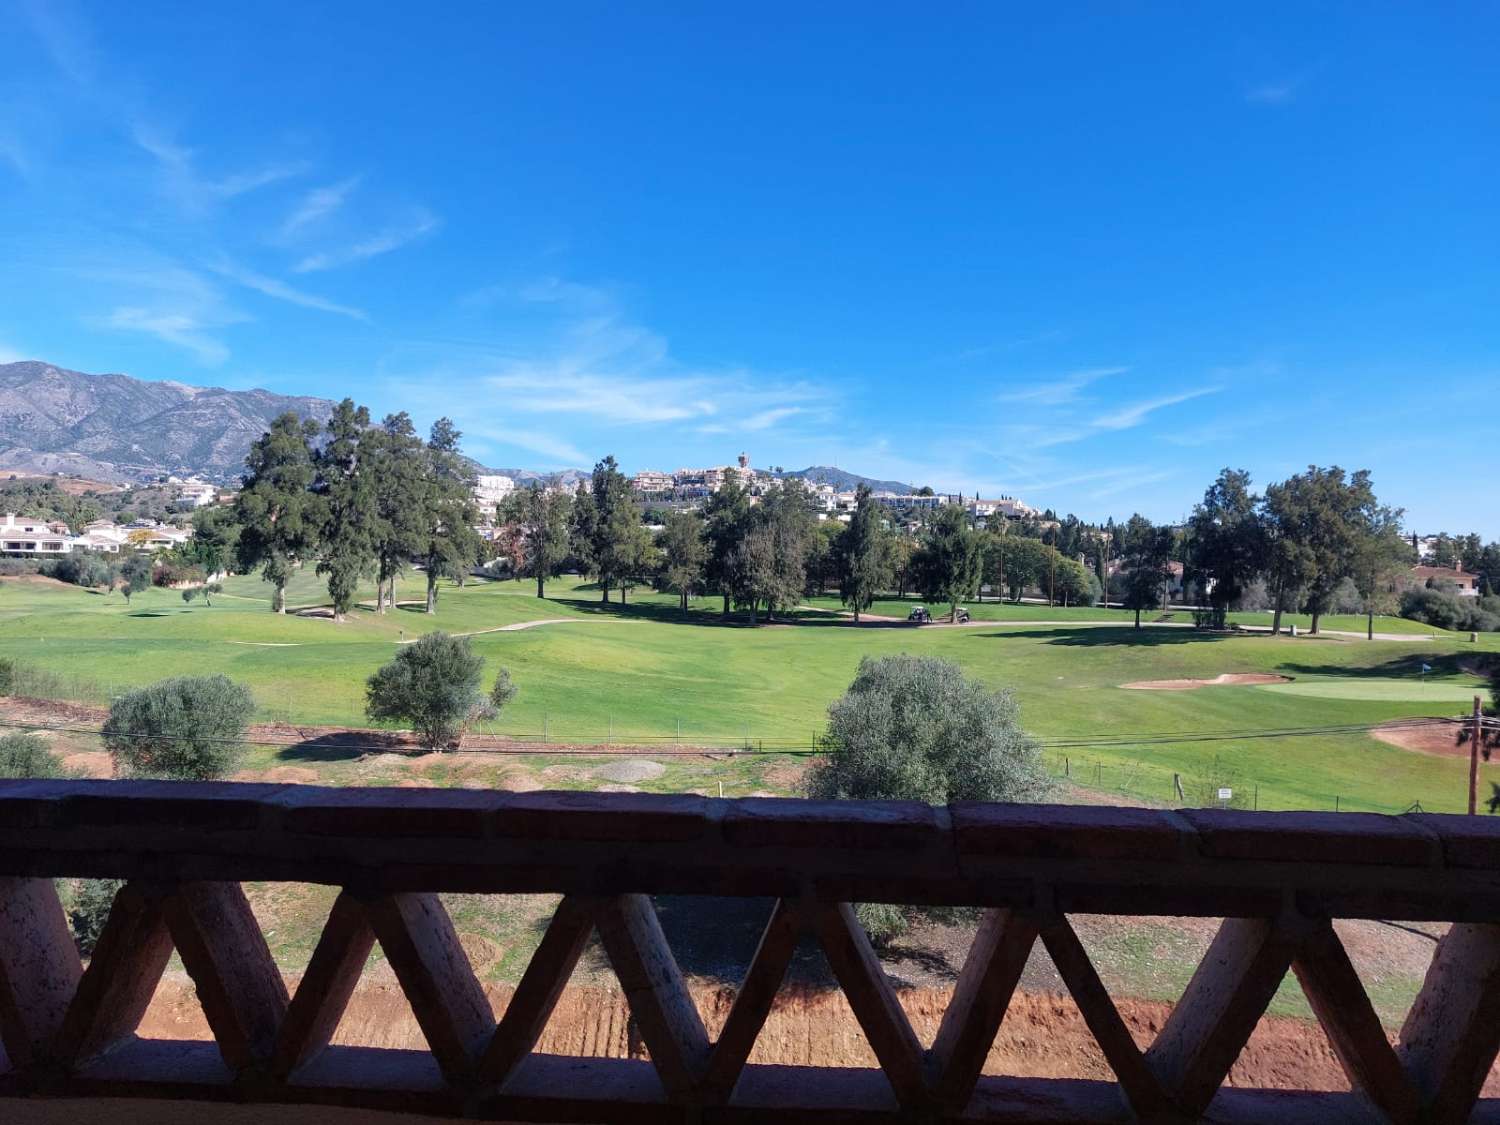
523, 745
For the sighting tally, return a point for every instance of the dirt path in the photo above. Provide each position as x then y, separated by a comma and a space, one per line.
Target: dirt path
517, 626
1437, 739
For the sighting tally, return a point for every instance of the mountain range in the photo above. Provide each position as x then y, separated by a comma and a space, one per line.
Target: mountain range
118, 429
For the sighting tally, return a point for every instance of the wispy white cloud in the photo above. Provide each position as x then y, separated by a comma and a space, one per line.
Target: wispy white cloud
1128, 417
559, 452
281, 291
1275, 93
66, 41
768, 418
173, 328
318, 205
1130, 482
1059, 390
182, 180
392, 238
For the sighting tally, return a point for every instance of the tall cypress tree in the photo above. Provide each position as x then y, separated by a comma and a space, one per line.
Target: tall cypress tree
862, 556
613, 554
279, 516
451, 545
345, 484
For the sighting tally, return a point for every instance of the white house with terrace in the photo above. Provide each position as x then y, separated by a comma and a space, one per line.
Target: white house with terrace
35, 537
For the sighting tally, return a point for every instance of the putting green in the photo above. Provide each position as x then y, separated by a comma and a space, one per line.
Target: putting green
1370, 687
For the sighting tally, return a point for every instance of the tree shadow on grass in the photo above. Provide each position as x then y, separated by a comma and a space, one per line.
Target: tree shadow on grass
1409, 666
715, 938
1101, 636
343, 746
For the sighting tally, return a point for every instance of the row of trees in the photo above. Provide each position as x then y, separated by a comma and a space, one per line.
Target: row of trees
362, 500
1305, 537
764, 557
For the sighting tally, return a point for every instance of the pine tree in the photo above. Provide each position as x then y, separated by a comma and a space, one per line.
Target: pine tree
726, 521
952, 558
613, 546
540, 519
451, 545
344, 483
278, 514
397, 462
1147, 551
685, 554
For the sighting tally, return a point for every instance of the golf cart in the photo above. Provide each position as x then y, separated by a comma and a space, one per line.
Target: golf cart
920, 615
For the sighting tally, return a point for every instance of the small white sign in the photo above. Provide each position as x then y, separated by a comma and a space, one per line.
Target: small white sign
1226, 794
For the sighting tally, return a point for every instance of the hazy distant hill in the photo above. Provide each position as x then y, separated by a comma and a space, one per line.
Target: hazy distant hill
845, 481
118, 429
115, 428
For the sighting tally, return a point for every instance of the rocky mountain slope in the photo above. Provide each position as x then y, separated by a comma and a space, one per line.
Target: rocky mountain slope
115, 428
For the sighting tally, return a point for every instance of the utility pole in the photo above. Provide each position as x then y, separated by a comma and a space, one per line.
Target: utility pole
1474, 734
1052, 576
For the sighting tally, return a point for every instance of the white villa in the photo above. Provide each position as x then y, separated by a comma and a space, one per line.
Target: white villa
34, 536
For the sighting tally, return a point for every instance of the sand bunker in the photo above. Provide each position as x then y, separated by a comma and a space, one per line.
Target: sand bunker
1438, 739
1221, 680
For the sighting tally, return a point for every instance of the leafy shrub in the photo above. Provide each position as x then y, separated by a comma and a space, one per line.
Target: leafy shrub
915, 728
1447, 610
7, 676
187, 727
434, 685
89, 910
89, 569
28, 755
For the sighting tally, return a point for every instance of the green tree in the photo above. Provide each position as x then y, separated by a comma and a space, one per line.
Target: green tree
604, 527
135, 573
915, 728
540, 521
639, 559
450, 545
776, 562
952, 558
1226, 542
1022, 563
278, 515
189, 728
1382, 555
726, 522
1147, 551
1075, 583
344, 482
1315, 522
27, 755
863, 555
901, 557
684, 554
397, 462
434, 684
215, 539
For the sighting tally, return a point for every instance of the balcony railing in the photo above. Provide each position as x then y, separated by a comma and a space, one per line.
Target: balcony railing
1278, 880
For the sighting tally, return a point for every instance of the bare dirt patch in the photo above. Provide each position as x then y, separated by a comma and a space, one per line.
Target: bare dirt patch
1438, 739
1043, 1034
90, 763
1224, 679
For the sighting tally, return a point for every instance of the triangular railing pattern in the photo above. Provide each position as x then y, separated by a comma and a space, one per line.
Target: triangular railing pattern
70, 1029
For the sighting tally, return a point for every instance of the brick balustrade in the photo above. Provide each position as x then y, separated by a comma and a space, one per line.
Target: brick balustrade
1278, 879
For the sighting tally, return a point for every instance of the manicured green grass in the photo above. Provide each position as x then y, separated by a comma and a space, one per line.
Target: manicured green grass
652, 674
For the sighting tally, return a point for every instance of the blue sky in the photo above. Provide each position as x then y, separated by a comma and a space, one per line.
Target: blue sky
1085, 256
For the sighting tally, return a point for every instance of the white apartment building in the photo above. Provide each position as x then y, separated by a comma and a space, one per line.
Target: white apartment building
491, 489
34, 536
194, 491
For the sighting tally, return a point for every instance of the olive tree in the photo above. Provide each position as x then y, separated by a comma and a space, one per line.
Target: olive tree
434, 685
28, 755
190, 728
915, 728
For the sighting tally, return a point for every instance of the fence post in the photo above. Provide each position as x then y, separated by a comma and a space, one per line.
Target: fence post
1256, 806
1067, 766
1336, 803
546, 735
